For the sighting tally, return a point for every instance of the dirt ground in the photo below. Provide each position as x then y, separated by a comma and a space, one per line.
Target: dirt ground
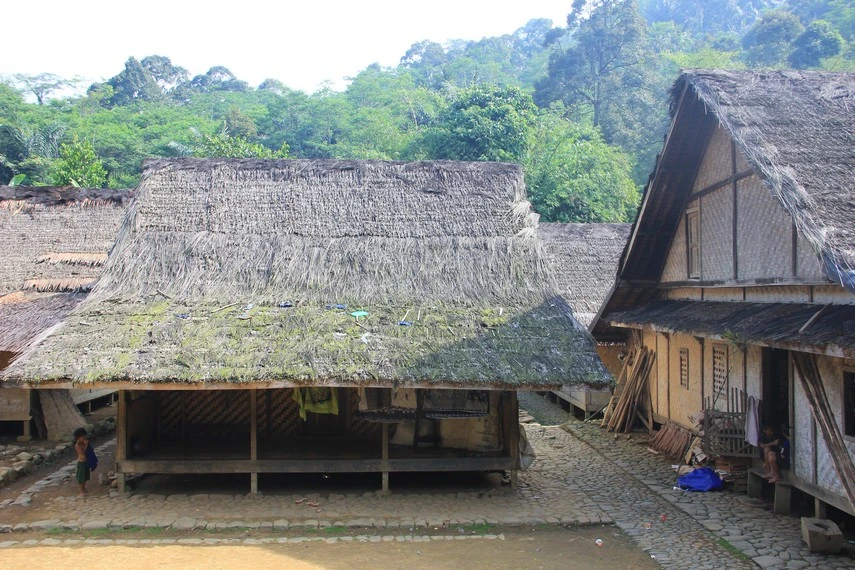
541, 548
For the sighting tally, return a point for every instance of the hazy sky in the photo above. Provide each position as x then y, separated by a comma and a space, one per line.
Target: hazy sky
300, 43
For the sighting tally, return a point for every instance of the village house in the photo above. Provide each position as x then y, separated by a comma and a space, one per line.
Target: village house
54, 241
320, 316
738, 274
583, 259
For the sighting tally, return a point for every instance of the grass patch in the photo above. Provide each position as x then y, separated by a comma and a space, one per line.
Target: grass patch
733, 550
335, 530
482, 528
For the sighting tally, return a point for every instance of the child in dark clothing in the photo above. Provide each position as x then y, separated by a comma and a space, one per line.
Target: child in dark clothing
772, 446
81, 443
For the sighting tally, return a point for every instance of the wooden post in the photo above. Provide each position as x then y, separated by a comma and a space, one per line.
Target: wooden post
514, 441
819, 509
385, 456
121, 439
253, 438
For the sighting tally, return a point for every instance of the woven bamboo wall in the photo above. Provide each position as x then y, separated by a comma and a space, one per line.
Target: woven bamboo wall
778, 294
723, 294
717, 235
836, 294
716, 165
741, 163
27, 232
754, 371
685, 293
807, 261
764, 231
675, 266
278, 413
685, 402
802, 435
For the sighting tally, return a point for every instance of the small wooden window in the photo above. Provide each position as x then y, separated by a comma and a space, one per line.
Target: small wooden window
684, 368
693, 246
720, 370
849, 402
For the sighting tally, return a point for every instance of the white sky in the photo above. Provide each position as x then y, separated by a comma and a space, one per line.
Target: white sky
300, 43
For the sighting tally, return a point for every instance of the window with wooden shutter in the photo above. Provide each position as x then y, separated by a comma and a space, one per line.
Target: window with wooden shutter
693, 246
684, 368
720, 370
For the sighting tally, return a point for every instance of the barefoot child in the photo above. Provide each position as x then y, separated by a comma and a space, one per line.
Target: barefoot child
81, 443
772, 444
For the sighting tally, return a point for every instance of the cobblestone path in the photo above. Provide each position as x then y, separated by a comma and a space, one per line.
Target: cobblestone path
698, 524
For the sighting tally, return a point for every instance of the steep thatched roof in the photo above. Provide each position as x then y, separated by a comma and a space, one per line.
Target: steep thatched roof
54, 242
231, 272
796, 129
583, 259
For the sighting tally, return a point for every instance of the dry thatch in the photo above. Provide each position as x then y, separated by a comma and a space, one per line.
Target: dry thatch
53, 237
583, 259
53, 240
24, 316
797, 129
231, 272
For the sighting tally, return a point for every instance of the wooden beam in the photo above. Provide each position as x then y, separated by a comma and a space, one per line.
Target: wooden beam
815, 318
426, 464
121, 438
385, 456
253, 438
811, 380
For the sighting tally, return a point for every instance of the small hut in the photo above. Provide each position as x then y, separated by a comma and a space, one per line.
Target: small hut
320, 316
583, 259
54, 242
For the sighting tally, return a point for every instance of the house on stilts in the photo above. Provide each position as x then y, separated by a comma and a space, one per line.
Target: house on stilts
583, 260
54, 242
739, 274
320, 316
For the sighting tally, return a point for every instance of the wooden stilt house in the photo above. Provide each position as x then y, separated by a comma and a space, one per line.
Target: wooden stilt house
740, 269
320, 316
54, 242
583, 259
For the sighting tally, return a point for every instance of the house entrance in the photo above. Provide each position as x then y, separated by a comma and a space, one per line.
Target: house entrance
776, 388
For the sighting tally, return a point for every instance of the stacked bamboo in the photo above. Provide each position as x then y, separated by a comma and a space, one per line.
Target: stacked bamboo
625, 405
672, 440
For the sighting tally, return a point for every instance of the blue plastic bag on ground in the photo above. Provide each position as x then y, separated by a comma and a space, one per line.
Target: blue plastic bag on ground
703, 479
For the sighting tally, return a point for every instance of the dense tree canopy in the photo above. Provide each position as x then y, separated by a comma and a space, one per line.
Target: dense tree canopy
582, 106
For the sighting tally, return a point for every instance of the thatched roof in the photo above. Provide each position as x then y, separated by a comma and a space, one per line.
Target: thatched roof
796, 129
54, 242
583, 259
798, 326
233, 271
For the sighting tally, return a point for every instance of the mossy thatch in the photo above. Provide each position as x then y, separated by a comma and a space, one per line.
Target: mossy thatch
238, 271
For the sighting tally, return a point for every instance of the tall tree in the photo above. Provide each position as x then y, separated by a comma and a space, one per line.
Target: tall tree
818, 41
572, 175
483, 123
770, 39
608, 49
42, 84
134, 83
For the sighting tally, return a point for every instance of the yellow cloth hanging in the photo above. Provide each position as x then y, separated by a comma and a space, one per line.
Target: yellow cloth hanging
316, 400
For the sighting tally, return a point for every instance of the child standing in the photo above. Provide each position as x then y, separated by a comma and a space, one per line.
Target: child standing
81, 443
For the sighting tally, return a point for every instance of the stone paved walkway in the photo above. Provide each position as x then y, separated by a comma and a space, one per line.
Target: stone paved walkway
581, 476
637, 480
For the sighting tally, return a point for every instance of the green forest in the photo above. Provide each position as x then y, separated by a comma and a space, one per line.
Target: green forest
582, 106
